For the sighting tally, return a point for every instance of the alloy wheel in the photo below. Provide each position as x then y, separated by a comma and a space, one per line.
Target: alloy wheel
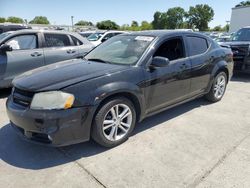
117, 122
219, 87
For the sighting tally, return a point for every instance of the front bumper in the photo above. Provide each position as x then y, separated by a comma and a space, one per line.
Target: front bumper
51, 127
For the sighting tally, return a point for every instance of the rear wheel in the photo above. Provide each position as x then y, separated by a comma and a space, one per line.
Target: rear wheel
114, 122
218, 88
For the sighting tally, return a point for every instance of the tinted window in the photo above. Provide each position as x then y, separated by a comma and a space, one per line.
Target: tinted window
76, 41
23, 42
197, 45
56, 40
108, 36
172, 49
242, 35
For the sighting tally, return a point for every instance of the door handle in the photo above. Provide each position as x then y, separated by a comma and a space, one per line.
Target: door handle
212, 58
183, 66
36, 54
70, 51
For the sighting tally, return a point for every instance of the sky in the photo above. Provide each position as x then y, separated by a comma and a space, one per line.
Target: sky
121, 11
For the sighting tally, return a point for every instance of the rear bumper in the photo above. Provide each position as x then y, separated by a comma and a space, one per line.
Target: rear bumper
51, 127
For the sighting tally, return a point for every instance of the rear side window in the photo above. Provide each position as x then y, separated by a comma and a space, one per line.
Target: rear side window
76, 41
23, 42
197, 45
56, 40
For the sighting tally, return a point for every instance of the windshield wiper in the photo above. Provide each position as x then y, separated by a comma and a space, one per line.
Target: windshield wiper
98, 60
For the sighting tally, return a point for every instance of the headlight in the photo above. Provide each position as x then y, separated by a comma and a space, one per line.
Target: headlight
52, 100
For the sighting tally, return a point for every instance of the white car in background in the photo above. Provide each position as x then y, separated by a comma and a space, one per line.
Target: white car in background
100, 36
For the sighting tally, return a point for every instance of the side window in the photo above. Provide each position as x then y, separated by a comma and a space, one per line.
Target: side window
76, 41
56, 40
23, 42
197, 45
172, 49
108, 36
114, 34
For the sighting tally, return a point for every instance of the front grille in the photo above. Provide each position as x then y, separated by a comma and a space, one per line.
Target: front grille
22, 97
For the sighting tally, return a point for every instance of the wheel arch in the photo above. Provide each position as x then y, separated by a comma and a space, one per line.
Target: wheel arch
121, 89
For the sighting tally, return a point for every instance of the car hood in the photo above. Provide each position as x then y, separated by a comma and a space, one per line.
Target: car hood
63, 74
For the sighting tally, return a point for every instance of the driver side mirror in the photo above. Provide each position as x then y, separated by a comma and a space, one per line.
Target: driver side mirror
5, 48
160, 62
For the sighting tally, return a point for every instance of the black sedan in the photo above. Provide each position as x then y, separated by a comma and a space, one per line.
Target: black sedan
119, 83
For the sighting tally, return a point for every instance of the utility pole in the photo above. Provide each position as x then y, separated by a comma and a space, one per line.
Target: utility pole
72, 22
228, 25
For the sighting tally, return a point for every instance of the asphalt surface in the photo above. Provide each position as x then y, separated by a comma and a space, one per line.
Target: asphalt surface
194, 145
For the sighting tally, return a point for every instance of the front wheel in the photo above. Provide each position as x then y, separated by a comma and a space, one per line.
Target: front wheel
218, 88
114, 122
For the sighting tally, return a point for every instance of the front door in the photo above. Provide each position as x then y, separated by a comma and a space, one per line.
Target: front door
25, 55
168, 85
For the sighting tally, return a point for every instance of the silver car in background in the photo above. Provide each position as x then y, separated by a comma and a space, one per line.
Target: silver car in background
24, 50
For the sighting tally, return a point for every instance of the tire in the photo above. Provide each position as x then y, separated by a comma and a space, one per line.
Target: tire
218, 88
108, 129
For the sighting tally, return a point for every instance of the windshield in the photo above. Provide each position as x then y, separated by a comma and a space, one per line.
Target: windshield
242, 35
125, 50
3, 35
95, 36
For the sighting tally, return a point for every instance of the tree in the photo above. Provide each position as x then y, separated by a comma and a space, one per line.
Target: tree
2, 20
40, 20
199, 16
13, 19
125, 27
217, 28
134, 24
243, 4
159, 21
146, 26
107, 24
175, 18
84, 23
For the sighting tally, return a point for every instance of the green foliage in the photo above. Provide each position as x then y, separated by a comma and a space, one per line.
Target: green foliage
159, 21
218, 28
243, 4
2, 20
199, 16
13, 19
108, 25
84, 23
172, 19
134, 24
175, 18
40, 20
146, 26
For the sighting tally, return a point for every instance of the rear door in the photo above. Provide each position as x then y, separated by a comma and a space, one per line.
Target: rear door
58, 47
26, 55
198, 50
82, 46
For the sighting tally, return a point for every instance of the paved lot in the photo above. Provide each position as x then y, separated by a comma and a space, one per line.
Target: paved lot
193, 145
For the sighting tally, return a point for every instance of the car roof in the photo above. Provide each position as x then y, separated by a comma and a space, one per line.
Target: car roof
24, 31
31, 31
161, 33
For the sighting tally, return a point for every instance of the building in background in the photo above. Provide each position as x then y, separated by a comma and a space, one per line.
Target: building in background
240, 18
